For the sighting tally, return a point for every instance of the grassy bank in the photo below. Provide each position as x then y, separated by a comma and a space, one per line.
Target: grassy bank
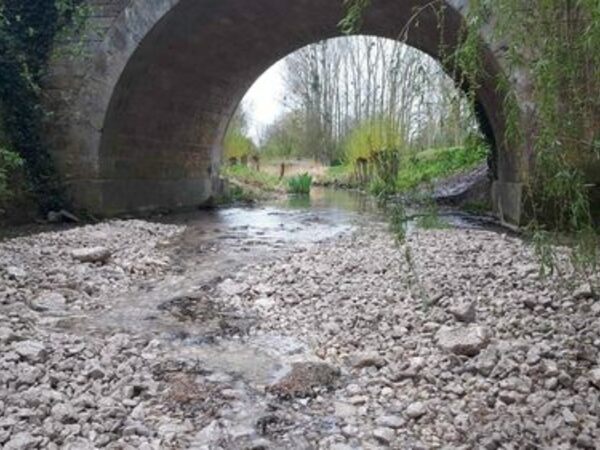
253, 178
416, 171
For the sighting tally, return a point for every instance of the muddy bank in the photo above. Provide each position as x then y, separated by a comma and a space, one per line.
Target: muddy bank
242, 333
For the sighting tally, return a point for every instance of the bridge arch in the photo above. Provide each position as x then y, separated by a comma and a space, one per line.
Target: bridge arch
141, 125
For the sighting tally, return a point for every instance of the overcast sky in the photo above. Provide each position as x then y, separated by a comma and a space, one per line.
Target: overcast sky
264, 101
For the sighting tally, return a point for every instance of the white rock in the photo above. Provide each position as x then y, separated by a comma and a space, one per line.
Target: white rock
343, 409
468, 341
583, 291
341, 446
92, 255
16, 273
463, 312
390, 421
33, 351
96, 373
416, 410
7, 335
50, 301
384, 435
21, 441
78, 444
595, 377
64, 413
368, 359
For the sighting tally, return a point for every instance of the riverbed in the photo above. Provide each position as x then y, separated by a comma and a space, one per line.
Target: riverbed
297, 324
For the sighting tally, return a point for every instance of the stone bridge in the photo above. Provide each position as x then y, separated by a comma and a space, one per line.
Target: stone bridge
140, 117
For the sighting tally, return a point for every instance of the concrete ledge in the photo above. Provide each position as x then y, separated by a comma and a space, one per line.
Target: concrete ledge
107, 198
507, 199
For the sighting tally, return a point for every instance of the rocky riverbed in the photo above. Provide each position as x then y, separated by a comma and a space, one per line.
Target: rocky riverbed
114, 336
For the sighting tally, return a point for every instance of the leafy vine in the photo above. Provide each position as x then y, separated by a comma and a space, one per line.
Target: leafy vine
28, 31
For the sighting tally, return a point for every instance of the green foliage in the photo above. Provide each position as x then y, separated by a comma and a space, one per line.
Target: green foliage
380, 189
9, 162
397, 221
237, 145
367, 139
434, 164
352, 20
417, 170
300, 184
28, 30
282, 138
340, 175
249, 176
559, 43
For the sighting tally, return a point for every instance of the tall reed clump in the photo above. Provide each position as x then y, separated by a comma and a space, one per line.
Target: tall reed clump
300, 184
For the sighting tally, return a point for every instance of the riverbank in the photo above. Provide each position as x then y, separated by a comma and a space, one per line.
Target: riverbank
455, 177
286, 328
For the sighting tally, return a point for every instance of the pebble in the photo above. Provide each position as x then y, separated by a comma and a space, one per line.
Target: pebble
463, 312
390, 421
384, 435
91, 255
374, 367
30, 350
468, 341
416, 410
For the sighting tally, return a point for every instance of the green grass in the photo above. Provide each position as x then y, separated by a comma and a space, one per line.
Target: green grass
340, 175
423, 168
430, 165
249, 176
300, 184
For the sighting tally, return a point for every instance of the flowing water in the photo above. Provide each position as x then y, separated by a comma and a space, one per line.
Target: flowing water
180, 311
214, 246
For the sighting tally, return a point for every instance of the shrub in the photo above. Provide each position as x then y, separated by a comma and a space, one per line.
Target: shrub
9, 162
237, 145
300, 184
370, 138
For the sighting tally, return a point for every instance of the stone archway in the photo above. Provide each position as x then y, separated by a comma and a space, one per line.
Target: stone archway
139, 124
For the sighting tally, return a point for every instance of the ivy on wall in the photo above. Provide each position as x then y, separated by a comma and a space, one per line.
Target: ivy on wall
28, 31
